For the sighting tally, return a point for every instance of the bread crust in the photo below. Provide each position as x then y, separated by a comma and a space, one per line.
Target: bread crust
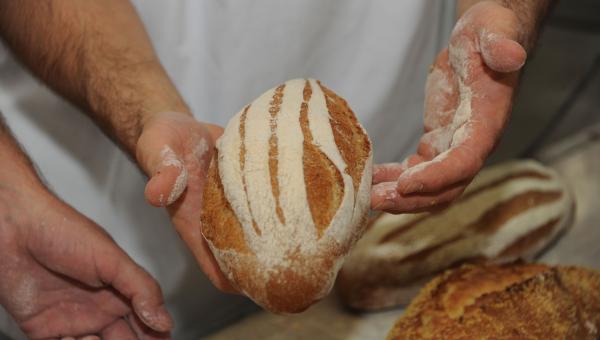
513, 301
290, 279
513, 210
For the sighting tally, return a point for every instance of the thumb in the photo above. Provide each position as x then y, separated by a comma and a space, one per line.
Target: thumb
160, 156
498, 41
169, 178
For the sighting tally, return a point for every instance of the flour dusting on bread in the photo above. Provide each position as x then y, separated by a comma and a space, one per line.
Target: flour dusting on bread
280, 154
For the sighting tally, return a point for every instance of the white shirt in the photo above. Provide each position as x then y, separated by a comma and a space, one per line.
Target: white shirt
222, 54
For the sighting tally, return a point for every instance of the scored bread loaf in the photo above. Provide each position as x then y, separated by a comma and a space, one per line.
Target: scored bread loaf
287, 194
511, 301
512, 210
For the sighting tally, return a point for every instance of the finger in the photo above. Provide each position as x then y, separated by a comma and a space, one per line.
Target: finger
168, 182
396, 203
435, 142
209, 264
160, 153
169, 178
186, 216
89, 337
143, 332
501, 54
119, 330
456, 165
389, 172
497, 29
215, 131
133, 282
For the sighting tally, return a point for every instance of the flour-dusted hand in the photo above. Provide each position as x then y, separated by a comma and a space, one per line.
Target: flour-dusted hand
469, 95
175, 151
62, 275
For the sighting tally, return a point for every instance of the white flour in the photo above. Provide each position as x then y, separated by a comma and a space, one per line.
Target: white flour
299, 233
169, 158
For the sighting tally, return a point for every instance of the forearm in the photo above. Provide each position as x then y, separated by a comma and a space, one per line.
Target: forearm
95, 53
530, 13
16, 170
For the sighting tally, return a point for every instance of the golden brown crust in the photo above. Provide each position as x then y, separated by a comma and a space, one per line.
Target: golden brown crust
398, 255
293, 289
295, 282
219, 223
524, 174
502, 212
353, 143
515, 301
324, 183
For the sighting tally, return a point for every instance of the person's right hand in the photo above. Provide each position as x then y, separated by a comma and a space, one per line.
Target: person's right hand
63, 276
175, 151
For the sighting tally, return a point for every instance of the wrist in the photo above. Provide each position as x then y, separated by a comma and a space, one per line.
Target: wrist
530, 15
20, 198
18, 174
126, 98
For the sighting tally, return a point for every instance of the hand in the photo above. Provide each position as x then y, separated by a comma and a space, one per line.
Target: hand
61, 275
175, 150
468, 99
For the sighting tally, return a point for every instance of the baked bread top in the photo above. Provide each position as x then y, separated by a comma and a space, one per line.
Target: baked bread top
287, 194
511, 210
514, 301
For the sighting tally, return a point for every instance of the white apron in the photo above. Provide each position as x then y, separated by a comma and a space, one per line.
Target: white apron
222, 54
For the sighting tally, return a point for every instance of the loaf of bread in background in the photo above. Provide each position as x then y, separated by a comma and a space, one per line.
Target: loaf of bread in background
512, 210
514, 301
288, 194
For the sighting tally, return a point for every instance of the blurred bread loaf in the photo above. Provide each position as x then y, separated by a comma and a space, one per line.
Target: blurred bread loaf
288, 194
512, 210
515, 301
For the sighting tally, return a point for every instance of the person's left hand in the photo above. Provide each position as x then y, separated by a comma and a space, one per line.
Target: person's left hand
175, 151
469, 96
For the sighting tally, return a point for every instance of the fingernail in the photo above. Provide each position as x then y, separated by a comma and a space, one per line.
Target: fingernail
159, 319
388, 192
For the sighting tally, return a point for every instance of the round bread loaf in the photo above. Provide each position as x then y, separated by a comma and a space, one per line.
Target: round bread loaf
515, 301
511, 210
288, 194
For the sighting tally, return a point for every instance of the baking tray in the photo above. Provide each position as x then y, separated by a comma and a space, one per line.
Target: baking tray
576, 158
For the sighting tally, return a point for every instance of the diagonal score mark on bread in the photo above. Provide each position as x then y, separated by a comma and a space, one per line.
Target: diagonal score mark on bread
273, 154
324, 183
242, 130
464, 199
511, 210
487, 209
491, 221
348, 134
296, 202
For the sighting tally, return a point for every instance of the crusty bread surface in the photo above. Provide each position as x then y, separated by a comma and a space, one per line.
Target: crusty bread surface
287, 194
512, 210
511, 301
